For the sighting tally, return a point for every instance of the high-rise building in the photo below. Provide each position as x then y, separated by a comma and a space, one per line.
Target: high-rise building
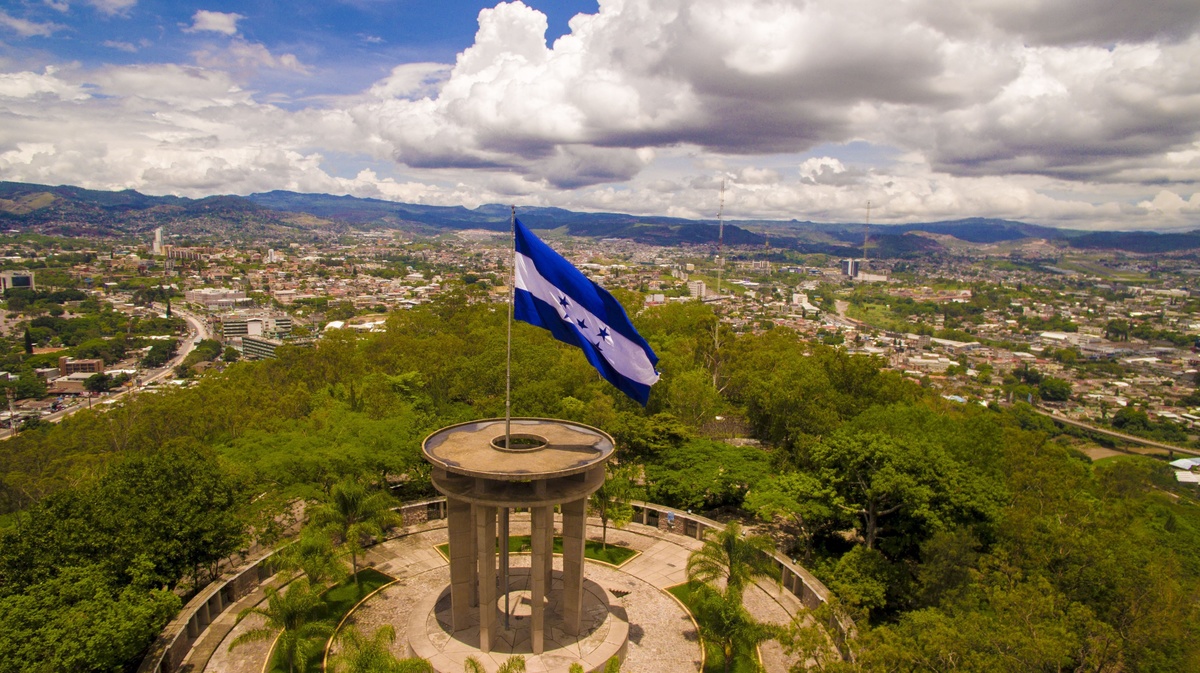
14, 279
850, 267
697, 289
156, 248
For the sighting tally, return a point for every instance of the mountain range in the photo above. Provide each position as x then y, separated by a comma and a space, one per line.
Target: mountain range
74, 211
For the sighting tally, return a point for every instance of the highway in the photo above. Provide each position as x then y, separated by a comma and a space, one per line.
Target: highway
1117, 435
197, 330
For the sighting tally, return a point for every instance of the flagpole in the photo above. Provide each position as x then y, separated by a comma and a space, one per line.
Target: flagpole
512, 293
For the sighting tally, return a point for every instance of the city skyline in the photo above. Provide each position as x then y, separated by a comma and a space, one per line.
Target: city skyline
1082, 115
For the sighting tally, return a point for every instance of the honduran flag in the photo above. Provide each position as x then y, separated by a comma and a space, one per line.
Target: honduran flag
554, 295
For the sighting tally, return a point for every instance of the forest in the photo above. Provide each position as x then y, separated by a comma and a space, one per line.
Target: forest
958, 537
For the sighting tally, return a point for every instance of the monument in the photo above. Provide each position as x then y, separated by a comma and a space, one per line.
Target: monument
486, 481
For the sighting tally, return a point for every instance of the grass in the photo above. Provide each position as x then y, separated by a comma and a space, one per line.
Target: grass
338, 600
518, 544
745, 657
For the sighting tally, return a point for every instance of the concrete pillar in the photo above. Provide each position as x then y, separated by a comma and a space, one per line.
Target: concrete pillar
462, 562
485, 547
202, 614
541, 519
574, 537
549, 548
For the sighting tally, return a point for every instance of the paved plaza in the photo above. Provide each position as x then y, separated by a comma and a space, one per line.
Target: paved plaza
662, 636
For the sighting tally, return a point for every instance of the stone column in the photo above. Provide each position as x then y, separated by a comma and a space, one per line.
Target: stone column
574, 536
549, 548
462, 561
485, 547
540, 520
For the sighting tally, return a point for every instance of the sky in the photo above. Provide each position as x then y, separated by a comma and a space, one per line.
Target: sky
1072, 113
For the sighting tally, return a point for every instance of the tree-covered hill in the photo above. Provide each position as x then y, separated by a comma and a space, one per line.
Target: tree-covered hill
962, 538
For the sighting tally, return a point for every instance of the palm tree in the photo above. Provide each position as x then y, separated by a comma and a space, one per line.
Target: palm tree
514, 664
294, 612
313, 555
726, 623
610, 502
354, 513
733, 558
360, 654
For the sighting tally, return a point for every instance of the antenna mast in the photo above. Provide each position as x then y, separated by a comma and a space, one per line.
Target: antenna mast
866, 235
720, 267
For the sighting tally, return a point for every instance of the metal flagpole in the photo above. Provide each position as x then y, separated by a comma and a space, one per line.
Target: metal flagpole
504, 513
512, 293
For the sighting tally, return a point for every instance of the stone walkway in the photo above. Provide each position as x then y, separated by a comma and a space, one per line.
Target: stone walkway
662, 637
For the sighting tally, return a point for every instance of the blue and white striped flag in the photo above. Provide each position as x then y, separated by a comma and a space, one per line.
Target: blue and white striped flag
554, 295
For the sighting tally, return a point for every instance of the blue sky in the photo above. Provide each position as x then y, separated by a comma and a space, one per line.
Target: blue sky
1079, 113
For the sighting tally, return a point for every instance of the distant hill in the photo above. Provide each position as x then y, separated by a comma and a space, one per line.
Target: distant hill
74, 211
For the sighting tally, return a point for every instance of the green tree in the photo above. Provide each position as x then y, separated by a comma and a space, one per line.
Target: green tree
80, 620
28, 342
293, 614
98, 383
732, 559
726, 623
354, 514
1054, 390
610, 502
911, 482
313, 555
231, 354
802, 500
359, 654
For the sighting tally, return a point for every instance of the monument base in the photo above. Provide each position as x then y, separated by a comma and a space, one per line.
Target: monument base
604, 635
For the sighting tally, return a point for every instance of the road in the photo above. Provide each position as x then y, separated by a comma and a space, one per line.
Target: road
197, 330
1117, 435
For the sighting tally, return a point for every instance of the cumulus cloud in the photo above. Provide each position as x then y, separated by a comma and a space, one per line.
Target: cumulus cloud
1079, 113
246, 57
27, 28
216, 22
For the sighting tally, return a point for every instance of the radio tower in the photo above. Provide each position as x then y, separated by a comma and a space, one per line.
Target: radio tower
866, 236
720, 267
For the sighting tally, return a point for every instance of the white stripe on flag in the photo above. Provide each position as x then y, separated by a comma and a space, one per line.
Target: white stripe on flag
625, 356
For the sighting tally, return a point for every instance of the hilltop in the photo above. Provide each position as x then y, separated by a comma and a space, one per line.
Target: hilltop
74, 211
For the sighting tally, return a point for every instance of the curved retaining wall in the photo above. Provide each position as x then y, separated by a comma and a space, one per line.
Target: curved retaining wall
176, 640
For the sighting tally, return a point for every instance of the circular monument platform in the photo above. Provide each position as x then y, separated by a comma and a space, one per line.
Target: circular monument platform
604, 633
487, 469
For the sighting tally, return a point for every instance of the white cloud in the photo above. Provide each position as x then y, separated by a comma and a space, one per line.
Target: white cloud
32, 85
245, 57
26, 28
411, 80
113, 7
928, 109
121, 46
216, 22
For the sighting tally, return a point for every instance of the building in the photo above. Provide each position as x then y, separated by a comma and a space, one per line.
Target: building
850, 267
16, 279
697, 289
156, 248
251, 323
864, 277
174, 252
216, 297
68, 366
259, 348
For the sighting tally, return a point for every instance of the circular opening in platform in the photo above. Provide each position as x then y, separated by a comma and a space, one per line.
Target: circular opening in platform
520, 442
